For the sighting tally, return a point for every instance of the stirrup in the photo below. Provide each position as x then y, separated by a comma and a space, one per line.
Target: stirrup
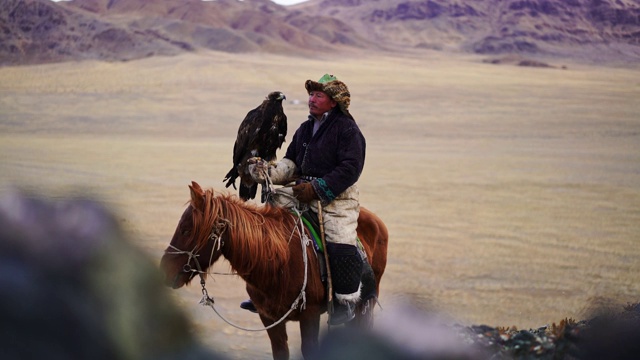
341, 313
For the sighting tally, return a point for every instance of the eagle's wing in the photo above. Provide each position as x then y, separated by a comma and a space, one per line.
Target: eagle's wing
244, 139
247, 133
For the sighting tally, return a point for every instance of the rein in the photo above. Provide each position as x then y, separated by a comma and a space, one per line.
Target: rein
216, 236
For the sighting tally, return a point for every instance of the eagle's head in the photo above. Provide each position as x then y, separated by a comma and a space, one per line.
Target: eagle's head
276, 96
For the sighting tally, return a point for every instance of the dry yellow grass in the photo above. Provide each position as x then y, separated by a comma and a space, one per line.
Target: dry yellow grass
512, 195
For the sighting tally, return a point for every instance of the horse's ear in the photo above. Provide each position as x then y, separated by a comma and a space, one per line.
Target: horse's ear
196, 186
197, 196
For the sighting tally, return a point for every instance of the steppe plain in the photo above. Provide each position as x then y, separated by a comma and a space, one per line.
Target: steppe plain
511, 194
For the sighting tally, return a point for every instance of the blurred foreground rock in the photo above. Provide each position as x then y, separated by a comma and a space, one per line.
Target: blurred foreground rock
72, 287
409, 333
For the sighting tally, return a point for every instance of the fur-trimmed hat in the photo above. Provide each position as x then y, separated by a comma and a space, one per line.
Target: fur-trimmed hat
333, 87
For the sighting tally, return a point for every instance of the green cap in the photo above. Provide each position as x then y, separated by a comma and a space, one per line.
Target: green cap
327, 78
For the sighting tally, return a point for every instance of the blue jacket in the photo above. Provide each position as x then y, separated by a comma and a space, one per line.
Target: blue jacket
334, 154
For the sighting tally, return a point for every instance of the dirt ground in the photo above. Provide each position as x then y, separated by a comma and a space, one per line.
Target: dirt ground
511, 194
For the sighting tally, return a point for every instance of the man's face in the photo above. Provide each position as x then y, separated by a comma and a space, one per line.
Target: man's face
320, 103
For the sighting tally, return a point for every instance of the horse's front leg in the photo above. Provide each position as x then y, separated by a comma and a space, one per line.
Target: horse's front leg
278, 338
309, 332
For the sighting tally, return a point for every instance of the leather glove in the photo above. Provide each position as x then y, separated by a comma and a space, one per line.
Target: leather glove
304, 193
257, 169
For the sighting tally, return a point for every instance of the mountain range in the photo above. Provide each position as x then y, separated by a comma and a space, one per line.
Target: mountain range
41, 31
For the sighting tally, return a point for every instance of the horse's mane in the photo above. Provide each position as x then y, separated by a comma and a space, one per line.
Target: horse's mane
260, 241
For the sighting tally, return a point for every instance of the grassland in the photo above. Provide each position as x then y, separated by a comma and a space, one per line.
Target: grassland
512, 194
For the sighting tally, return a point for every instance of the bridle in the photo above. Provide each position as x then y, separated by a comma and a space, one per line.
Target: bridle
215, 236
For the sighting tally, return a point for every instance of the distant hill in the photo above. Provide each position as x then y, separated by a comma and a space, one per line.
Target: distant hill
228, 25
40, 31
37, 31
589, 28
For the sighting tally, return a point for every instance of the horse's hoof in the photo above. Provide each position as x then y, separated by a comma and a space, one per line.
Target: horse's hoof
248, 305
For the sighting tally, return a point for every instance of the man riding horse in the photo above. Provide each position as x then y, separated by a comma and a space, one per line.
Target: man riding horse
325, 159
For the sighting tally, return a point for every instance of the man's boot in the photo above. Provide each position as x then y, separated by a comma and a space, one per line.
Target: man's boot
346, 270
341, 313
248, 305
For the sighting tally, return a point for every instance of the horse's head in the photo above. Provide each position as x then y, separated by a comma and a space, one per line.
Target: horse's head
196, 242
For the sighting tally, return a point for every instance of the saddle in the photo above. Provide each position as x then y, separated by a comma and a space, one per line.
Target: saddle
367, 278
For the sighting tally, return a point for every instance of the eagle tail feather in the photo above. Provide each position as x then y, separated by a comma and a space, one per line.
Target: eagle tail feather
230, 178
248, 192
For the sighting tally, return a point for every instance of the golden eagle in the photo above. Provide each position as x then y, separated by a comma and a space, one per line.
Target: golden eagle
261, 134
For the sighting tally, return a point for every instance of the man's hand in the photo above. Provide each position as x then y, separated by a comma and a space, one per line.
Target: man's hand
304, 193
258, 169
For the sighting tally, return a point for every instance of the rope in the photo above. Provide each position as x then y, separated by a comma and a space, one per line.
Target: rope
304, 241
268, 184
326, 259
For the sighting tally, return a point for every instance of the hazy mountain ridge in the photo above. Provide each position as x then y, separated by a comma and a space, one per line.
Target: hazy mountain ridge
233, 26
33, 31
40, 31
494, 27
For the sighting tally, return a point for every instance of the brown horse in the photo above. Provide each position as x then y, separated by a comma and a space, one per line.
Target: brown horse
262, 246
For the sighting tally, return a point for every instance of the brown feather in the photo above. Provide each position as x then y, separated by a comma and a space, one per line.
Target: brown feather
261, 134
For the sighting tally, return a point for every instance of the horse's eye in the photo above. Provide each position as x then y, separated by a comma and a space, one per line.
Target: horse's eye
186, 232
